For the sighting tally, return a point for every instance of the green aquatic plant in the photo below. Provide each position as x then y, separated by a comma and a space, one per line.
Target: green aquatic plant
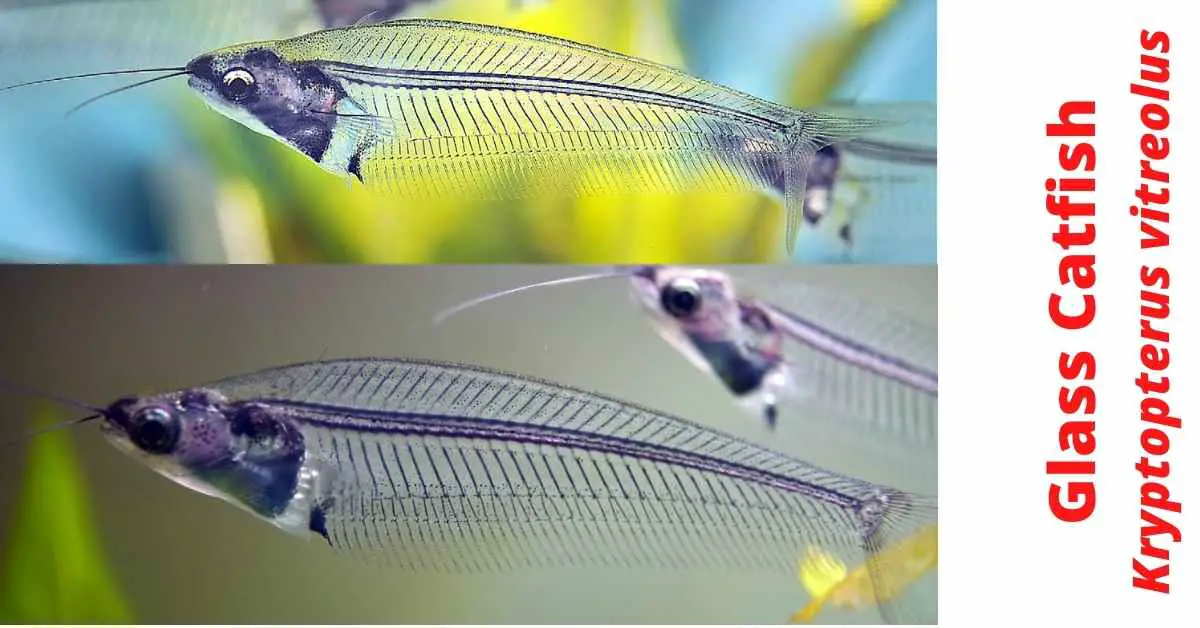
56, 571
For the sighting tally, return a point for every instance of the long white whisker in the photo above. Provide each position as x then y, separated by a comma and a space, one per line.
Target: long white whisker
458, 309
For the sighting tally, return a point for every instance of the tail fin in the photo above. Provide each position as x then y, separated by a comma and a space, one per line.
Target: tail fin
813, 131
900, 541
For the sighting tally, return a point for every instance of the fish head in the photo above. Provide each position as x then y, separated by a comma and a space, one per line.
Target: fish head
699, 313
247, 454
295, 102
692, 309
696, 300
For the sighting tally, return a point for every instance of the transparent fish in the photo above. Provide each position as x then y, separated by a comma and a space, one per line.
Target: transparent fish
829, 583
805, 348
426, 108
430, 466
806, 351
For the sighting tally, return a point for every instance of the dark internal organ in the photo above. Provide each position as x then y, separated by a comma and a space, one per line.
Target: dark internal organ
746, 360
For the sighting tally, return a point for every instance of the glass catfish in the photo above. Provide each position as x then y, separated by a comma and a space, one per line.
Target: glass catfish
423, 465
427, 106
807, 348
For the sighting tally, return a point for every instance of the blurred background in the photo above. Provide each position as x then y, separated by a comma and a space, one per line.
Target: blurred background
152, 176
90, 535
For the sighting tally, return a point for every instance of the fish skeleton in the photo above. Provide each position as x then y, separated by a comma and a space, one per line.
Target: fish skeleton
436, 466
428, 107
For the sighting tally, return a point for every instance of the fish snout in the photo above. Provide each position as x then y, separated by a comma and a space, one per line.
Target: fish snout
202, 74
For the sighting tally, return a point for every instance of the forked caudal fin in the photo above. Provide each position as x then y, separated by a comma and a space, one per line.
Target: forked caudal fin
813, 131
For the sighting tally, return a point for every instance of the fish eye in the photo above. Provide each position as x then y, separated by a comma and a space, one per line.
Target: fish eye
154, 430
681, 298
239, 84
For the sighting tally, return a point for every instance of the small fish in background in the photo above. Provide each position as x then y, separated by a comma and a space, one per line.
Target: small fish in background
698, 313
428, 107
829, 583
875, 210
824, 351
804, 348
883, 171
822, 175
425, 465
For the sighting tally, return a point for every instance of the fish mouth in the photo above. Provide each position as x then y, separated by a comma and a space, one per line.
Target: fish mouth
203, 87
